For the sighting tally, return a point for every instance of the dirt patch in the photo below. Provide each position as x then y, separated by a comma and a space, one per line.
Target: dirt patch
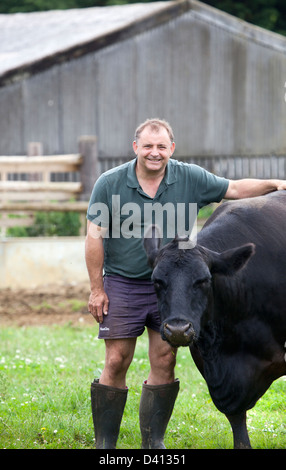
45, 306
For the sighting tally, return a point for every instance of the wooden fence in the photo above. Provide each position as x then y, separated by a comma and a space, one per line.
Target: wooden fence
29, 184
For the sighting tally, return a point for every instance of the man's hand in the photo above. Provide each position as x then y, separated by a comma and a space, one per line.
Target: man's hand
98, 304
281, 185
94, 256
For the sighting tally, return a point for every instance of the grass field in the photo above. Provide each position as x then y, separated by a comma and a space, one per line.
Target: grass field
45, 375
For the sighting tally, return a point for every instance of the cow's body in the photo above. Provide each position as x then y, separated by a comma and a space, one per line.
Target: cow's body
230, 306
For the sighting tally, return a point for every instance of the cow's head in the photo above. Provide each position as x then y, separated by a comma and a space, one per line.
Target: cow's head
182, 276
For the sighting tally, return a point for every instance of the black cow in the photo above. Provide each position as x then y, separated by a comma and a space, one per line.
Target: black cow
225, 298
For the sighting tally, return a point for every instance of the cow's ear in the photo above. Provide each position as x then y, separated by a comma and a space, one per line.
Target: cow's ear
152, 243
230, 261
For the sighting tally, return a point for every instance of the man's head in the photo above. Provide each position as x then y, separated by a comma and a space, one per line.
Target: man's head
154, 145
155, 125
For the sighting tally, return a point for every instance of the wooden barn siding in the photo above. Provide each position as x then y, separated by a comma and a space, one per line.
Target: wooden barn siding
222, 93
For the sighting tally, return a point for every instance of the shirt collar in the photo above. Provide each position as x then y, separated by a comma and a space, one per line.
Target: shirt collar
132, 180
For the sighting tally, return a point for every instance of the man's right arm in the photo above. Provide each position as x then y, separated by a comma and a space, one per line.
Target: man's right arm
94, 257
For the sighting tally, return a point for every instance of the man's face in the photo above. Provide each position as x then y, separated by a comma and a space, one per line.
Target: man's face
153, 149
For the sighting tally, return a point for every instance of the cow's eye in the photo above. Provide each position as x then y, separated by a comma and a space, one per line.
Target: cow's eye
201, 282
158, 284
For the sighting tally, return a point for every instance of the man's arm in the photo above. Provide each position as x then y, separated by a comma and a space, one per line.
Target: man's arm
239, 189
94, 257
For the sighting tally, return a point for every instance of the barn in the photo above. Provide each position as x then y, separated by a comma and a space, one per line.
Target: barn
101, 71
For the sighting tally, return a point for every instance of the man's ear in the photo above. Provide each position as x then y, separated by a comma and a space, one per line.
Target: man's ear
135, 147
152, 242
230, 261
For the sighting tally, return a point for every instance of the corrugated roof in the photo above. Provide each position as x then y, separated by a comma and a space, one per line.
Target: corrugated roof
29, 37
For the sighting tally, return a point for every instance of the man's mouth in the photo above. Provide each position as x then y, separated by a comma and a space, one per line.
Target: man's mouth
155, 160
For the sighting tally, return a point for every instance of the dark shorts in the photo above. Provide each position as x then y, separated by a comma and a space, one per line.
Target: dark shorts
132, 306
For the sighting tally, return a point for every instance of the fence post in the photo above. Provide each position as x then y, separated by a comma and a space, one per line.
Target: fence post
87, 146
34, 149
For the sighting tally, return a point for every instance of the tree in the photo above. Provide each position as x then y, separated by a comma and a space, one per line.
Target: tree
14, 6
269, 14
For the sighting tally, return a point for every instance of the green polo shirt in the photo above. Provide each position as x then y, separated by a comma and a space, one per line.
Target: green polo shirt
119, 203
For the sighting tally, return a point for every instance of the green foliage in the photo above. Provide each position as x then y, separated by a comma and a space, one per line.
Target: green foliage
206, 211
14, 6
49, 224
55, 223
268, 14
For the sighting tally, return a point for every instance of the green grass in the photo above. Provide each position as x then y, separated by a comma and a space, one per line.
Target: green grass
45, 376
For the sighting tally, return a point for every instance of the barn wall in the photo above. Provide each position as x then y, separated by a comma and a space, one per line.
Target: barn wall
221, 88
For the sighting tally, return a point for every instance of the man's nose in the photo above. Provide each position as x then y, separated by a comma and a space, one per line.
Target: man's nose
155, 151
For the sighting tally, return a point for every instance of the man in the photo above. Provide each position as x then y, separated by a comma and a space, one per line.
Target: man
123, 302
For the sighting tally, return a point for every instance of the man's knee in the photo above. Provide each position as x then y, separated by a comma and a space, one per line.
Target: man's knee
163, 365
118, 358
117, 363
167, 359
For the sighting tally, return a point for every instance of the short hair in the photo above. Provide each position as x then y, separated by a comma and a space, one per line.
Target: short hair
155, 125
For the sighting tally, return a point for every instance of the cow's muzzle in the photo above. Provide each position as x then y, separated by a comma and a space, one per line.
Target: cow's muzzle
178, 334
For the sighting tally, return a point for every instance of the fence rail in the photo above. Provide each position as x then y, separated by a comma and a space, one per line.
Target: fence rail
54, 163
29, 184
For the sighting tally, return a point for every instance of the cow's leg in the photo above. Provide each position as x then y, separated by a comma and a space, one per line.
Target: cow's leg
198, 360
239, 429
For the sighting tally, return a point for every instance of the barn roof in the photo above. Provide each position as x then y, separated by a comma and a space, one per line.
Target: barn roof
31, 42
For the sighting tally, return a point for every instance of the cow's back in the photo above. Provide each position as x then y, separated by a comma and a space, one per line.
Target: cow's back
260, 220
260, 288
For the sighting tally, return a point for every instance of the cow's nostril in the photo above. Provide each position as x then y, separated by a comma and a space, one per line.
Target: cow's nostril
181, 334
178, 328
